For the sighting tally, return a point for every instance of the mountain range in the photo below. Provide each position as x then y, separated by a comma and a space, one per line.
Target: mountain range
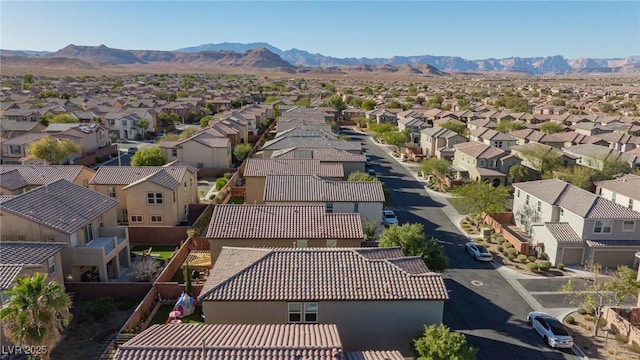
266, 56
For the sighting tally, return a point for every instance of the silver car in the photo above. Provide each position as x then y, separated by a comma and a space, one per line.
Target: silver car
551, 329
389, 217
478, 251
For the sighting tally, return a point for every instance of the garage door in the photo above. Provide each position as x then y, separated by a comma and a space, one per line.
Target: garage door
572, 256
613, 258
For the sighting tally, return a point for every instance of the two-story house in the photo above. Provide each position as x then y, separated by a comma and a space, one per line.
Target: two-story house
378, 298
624, 190
412, 126
14, 150
350, 162
83, 219
281, 226
595, 156
363, 197
256, 171
439, 142
17, 179
574, 226
493, 138
204, 149
149, 195
476, 161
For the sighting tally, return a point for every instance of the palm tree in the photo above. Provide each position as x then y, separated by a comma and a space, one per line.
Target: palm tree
36, 312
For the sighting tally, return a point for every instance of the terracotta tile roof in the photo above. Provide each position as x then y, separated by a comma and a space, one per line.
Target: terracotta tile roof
8, 274
371, 355
282, 222
563, 232
60, 205
310, 188
13, 252
609, 243
231, 341
626, 185
324, 155
264, 167
14, 177
479, 150
311, 143
317, 274
125, 175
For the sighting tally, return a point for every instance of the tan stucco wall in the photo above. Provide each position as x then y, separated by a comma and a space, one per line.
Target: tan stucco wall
192, 152
217, 244
13, 225
120, 196
372, 325
255, 189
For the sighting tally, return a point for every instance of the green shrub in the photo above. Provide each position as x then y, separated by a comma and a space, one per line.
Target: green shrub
622, 338
532, 266
500, 249
544, 256
100, 307
634, 347
220, 183
603, 322
560, 266
544, 265
522, 258
508, 245
512, 252
582, 311
500, 240
228, 175
124, 304
532, 259
570, 320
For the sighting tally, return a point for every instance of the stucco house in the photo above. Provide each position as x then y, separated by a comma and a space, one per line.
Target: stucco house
256, 171
14, 150
310, 139
244, 341
378, 298
281, 226
574, 226
493, 138
595, 156
480, 162
149, 195
205, 149
85, 220
17, 179
350, 162
363, 197
624, 191
439, 142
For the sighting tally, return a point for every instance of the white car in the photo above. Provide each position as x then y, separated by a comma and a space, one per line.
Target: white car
478, 251
551, 329
389, 217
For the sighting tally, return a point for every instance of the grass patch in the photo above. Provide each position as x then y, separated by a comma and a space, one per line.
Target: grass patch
163, 252
163, 314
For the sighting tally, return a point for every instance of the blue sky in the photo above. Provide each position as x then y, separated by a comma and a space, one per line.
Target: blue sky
469, 29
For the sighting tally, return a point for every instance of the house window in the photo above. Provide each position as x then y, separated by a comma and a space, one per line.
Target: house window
602, 227
498, 144
51, 263
74, 240
613, 197
310, 312
101, 221
329, 208
332, 243
89, 233
518, 193
295, 312
156, 218
15, 149
174, 152
186, 210
526, 200
112, 191
561, 212
630, 206
136, 218
154, 198
628, 225
494, 163
356, 207
301, 243
190, 182
539, 206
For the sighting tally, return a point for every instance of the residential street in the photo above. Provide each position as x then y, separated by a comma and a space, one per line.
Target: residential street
482, 305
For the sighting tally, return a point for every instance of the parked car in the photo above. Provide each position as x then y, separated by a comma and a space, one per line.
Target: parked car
371, 172
551, 329
478, 251
132, 150
389, 217
367, 161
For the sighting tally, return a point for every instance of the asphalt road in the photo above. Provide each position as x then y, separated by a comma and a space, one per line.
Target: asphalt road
491, 313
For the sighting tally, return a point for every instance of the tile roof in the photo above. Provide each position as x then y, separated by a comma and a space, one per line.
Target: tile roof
125, 175
60, 205
371, 355
578, 201
282, 222
479, 150
14, 177
608, 243
231, 341
264, 167
305, 274
311, 188
324, 155
563, 232
13, 252
311, 143
626, 185
8, 274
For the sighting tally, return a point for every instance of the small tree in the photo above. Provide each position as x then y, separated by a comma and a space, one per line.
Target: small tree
519, 173
370, 228
542, 158
143, 125
577, 175
411, 239
395, 138
506, 126
601, 290
480, 197
204, 122
150, 156
145, 267
433, 165
551, 127
52, 150
63, 119
368, 104
241, 151
438, 342
461, 129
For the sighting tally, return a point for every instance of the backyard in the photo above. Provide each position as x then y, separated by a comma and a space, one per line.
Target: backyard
160, 252
162, 315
